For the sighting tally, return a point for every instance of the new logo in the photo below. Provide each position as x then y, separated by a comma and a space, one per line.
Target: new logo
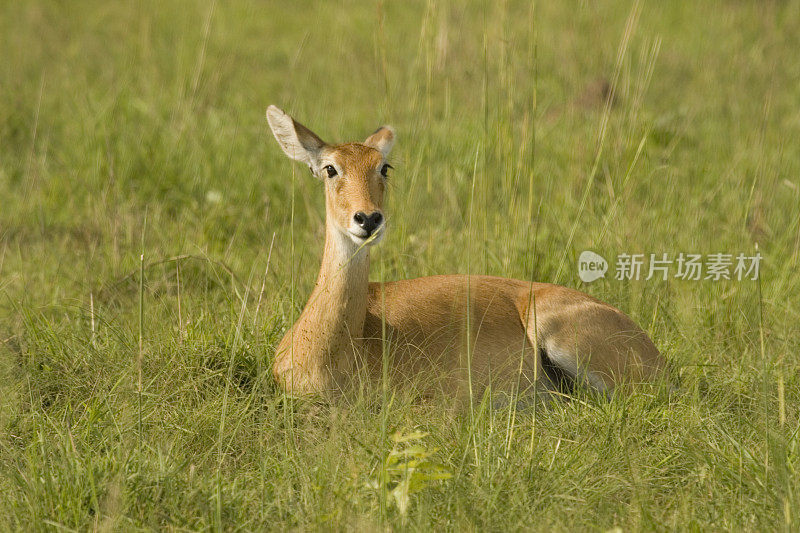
591, 266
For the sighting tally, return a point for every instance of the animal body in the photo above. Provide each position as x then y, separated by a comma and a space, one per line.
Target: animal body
466, 331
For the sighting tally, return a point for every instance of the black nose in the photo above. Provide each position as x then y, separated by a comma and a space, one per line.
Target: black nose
368, 222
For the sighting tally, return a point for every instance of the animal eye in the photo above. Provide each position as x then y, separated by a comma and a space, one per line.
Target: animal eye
330, 170
385, 170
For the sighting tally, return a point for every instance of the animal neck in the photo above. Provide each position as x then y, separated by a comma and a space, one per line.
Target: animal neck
321, 346
341, 289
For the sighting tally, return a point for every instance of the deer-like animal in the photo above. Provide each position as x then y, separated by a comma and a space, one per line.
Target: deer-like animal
479, 330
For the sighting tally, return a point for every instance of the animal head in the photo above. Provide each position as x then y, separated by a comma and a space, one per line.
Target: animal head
354, 174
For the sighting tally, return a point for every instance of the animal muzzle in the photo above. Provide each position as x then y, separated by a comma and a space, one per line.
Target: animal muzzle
368, 222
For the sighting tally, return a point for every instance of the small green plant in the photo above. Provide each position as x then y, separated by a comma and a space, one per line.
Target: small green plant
407, 470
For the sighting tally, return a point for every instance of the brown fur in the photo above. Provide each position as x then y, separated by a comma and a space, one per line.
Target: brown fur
483, 329
361, 188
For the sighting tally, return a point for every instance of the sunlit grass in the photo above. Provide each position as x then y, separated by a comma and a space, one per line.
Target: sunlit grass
525, 136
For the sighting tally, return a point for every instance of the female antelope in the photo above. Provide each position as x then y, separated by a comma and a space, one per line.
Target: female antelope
506, 332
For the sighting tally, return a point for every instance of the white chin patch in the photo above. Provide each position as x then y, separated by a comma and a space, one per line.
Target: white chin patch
356, 239
372, 240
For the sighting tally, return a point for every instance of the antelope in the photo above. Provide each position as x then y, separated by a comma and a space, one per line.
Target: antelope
471, 330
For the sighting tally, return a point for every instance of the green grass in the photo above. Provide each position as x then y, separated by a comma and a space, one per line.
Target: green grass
130, 128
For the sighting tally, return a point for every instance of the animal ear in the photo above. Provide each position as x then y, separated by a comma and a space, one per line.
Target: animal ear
297, 141
382, 140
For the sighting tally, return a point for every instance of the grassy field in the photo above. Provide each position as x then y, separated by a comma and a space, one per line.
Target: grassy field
155, 243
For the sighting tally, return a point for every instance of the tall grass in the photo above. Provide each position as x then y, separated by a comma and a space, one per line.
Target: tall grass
135, 357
